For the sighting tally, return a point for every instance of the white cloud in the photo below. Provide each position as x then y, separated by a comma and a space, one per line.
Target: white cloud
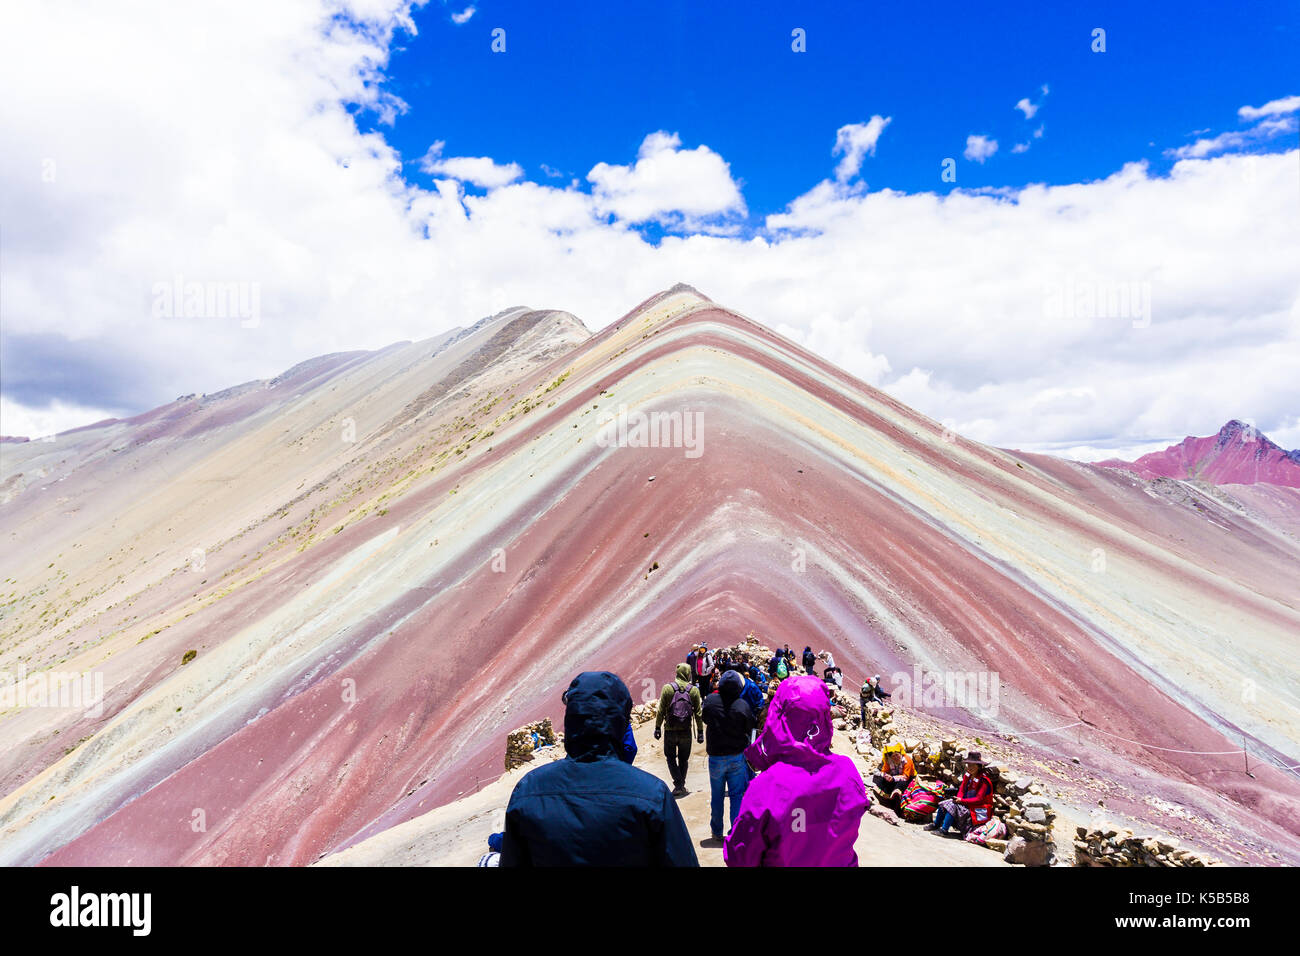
855, 141
1020, 148
1235, 139
269, 180
684, 188
479, 170
18, 420
980, 148
1028, 108
1278, 107
463, 16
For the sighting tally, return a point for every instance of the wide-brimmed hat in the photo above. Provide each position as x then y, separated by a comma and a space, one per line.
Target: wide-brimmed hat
974, 756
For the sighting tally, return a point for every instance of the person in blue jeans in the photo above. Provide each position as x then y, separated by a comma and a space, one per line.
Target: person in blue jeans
728, 722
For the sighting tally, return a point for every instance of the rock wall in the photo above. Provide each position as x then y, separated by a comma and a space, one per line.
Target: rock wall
519, 743
1105, 845
643, 713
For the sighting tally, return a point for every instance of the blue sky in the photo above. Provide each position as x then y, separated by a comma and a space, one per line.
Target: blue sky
370, 171
585, 86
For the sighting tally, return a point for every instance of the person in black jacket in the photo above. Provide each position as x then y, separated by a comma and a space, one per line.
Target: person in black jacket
591, 808
809, 661
728, 721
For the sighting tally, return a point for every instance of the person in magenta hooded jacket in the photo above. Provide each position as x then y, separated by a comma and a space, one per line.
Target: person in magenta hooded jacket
805, 805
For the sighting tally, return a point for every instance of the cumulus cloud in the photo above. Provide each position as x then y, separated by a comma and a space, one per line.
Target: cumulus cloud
855, 141
684, 188
980, 148
463, 16
479, 170
1161, 306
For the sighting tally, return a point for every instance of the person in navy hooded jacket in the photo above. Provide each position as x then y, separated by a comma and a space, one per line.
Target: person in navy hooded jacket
592, 808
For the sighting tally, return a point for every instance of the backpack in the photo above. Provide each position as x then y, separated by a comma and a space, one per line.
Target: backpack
782, 672
680, 709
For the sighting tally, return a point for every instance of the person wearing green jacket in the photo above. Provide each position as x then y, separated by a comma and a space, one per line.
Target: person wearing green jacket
679, 702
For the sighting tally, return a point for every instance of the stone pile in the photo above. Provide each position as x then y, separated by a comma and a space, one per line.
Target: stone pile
1104, 845
642, 713
519, 743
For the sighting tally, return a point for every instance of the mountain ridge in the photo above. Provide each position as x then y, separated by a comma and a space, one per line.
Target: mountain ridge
458, 562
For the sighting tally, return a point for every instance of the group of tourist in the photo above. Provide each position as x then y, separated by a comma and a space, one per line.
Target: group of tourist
767, 738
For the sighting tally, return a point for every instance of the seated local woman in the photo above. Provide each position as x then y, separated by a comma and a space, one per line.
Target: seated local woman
972, 805
896, 772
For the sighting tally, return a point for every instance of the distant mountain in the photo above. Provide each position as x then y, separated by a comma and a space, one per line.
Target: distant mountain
1237, 455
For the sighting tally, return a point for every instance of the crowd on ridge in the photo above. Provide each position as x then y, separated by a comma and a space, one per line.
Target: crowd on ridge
767, 733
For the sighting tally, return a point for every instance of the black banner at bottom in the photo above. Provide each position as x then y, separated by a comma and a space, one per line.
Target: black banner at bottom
334, 905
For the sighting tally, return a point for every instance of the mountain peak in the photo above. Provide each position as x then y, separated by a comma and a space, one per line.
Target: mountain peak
681, 287
1238, 453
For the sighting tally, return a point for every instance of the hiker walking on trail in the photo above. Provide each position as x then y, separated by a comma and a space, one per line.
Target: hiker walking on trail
729, 721
782, 669
703, 666
678, 704
591, 808
809, 661
755, 695
804, 807
972, 803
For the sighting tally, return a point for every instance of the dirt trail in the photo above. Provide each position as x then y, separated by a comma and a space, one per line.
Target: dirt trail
456, 834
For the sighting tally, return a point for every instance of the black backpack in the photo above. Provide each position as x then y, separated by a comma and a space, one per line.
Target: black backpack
680, 709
